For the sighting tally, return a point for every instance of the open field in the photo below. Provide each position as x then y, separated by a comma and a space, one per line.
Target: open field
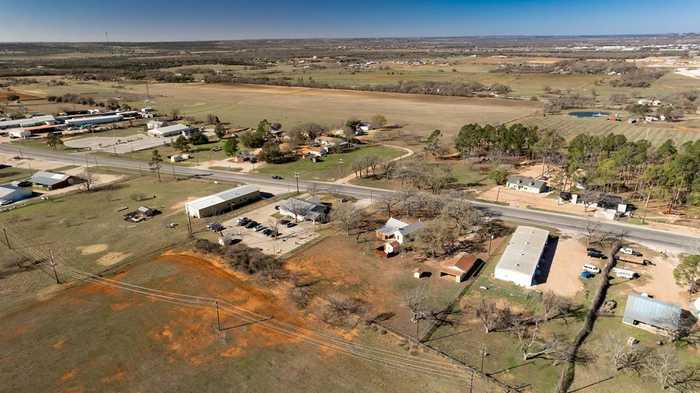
91, 337
246, 105
331, 167
88, 229
656, 133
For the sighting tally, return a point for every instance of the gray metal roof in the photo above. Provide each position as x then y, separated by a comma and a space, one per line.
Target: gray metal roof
306, 208
652, 312
392, 225
45, 178
524, 250
26, 122
526, 181
220, 197
175, 128
7, 191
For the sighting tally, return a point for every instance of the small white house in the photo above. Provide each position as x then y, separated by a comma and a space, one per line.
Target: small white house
398, 230
526, 183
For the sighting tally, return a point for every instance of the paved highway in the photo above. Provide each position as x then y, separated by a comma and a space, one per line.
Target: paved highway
669, 240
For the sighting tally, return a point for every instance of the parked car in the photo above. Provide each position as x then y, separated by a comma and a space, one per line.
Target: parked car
284, 221
627, 251
291, 225
260, 227
591, 268
277, 177
596, 254
243, 223
251, 224
587, 275
215, 227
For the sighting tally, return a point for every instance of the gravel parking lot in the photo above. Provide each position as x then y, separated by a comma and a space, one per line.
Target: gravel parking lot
288, 240
119, 145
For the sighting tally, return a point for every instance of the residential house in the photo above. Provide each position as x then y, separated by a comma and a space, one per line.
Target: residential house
526, 183
398, 230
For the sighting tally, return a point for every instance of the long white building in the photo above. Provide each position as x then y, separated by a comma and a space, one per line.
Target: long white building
172, 130
29, 122
222, 201
93, 120
522, 256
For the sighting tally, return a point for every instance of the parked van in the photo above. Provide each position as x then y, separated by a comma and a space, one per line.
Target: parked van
624, 273
591, 268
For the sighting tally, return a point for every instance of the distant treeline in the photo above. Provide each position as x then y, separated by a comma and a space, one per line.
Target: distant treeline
468, 89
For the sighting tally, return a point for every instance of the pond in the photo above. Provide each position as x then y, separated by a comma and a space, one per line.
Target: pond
589, 114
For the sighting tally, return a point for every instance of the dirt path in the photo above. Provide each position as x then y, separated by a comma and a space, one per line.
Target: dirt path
352, 176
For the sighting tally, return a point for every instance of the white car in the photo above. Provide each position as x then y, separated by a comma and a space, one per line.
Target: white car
591, 268
627, 250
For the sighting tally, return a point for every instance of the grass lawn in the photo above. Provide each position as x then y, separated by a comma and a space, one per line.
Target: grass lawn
88, 230
199, 153
11, 174
331, 168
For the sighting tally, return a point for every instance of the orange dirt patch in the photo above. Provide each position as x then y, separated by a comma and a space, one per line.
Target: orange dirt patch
119, 306
119, 376
58, 345
68, 375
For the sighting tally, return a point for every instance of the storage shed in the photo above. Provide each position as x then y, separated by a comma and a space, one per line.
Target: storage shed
652, 314
460, 267
53, 180
222, 202
522, 256
11, 193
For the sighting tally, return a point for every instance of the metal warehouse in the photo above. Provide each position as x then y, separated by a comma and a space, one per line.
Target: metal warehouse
222, 202
173, 130
521, 258
88, 121
53, 180
32, 121
652, 314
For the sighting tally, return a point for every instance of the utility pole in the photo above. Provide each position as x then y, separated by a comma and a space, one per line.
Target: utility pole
218, 318
490, 239
53, 266
7, 238
483, 354
296, 175
189, 222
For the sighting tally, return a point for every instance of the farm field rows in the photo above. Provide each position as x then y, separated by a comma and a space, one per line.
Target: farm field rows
570, 126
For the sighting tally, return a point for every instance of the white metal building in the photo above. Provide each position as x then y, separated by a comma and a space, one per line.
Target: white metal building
32, 121
173, 130
222, 201
93, 120
522, 256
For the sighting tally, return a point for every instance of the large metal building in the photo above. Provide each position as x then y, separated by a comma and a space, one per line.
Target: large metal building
222, 202
93, 120
32, 121
652, 314
172, 130
522, 256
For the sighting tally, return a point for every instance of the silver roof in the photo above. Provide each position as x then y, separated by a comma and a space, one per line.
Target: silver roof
526, 180
26, 122
46, 178
652, 312
220, 197
524, 250
172, 128
9, 189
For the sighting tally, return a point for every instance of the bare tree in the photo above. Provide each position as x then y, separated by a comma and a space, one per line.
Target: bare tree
667, 370
388, 203
463, 214
626, 357
494, 318
89, 179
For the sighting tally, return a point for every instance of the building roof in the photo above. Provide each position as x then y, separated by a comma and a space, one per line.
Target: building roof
89, 119
220, 197
526, 181
306, 208
524, 250
459, 265
392, 225
8, 189
26, 122
652, 312
45, 178
172, 128
411, 228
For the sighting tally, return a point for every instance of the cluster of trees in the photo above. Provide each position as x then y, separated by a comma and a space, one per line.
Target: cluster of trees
256, 138
568, 101
73, 99
245, 259
687, 273
612, 163
641, 77
448, 221
513, 140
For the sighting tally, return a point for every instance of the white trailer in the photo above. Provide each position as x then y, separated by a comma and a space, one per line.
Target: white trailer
624, 273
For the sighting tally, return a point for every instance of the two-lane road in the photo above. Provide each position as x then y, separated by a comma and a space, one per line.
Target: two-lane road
664, 239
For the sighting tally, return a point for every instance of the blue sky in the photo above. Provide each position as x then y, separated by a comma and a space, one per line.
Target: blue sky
161, 20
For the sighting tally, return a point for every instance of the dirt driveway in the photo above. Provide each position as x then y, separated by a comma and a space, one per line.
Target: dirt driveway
563, 278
